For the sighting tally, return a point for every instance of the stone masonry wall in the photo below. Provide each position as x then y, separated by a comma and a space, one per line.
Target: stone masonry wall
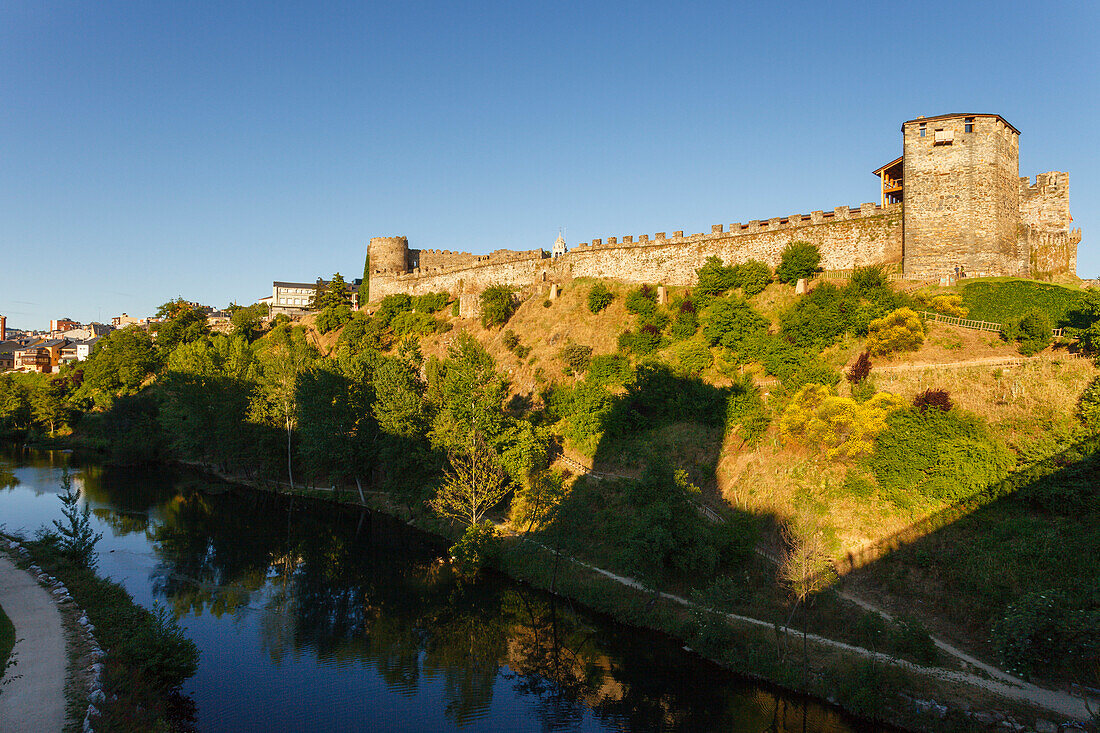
1044, 205
847, 238
962, 198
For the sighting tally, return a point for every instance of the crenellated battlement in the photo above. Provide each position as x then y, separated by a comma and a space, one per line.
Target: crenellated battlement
756, 226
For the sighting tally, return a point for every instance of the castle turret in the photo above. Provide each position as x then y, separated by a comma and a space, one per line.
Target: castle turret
559, 247
389, 255
961, 196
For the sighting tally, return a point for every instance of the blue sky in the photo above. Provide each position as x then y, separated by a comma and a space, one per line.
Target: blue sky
204, 149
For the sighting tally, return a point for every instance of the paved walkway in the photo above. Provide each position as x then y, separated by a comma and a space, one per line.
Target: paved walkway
35, 699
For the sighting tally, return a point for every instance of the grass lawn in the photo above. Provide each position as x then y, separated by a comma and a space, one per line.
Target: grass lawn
7, 639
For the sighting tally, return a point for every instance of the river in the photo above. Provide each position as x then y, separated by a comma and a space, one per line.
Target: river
325, 618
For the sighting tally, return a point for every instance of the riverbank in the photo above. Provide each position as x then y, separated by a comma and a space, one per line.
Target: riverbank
872, 685
125, 677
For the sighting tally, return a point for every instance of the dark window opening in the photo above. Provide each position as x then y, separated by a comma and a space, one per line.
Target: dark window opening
922, 131
969, 124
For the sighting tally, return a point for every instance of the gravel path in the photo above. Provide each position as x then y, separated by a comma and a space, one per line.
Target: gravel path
34, 701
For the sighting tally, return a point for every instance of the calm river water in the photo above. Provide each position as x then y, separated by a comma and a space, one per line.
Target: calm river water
333, 619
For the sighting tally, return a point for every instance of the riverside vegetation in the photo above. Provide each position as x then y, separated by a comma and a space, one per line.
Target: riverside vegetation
793, 419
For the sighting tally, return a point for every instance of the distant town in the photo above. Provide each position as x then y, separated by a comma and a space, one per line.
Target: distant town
67, 341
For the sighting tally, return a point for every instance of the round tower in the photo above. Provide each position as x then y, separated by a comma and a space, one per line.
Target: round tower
389, 255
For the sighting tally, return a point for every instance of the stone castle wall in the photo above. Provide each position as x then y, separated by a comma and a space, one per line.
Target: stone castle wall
1044, 205
847, 237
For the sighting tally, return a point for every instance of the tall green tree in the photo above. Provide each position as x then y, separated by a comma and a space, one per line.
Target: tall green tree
287, 355
183, 323
50, 403
119, 364
331, 294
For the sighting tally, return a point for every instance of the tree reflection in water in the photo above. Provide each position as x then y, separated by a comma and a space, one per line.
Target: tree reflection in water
354, 589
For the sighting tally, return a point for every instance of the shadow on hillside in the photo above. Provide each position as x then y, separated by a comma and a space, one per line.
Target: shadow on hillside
1032, 539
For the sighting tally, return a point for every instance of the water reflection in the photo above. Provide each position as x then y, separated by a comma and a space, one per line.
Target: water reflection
331, 605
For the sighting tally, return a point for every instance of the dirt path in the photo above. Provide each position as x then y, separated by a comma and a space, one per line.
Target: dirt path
35, 699
1005, 685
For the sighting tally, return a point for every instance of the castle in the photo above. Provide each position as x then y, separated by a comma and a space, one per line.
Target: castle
952, 203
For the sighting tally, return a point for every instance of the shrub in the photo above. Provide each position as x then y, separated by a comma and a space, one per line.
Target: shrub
510, 340
745, 408
642, 301
479, 544
860, 369
950, 304
693, 357
417, 324
846, 429
931, 398
729, 321
1088, 406
609, 369
644, 341
799, 260
521, 351
576, 358
430, 302
332, 317
599, 297
819, 318
684, 324
899, 331
456, 309
1031, 332
937, 455
391, 305
866, 280
752, 277
1044, 630
714, 277
547, 303
497, 305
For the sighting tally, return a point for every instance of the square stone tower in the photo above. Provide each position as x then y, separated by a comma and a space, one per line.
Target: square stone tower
961, 196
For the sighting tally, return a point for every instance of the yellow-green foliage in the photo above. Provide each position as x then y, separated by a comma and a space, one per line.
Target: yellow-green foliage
898, 331
950, 304
846, 429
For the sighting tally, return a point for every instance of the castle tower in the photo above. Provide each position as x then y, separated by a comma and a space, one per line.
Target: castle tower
559, 247
961, 196
389, 255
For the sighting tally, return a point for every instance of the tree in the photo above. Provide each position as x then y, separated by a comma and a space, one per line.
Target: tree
364, 286
331, 294
287, 356
1031, 331
714, 278
860, 369
799, 260
76, 536
467, 393
248, 320
805, 569
752, 277
184, 322
475, 483
49, 403
120, 363
497, 305
1088, 406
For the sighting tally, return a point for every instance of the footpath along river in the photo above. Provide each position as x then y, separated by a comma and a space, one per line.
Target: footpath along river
326, 618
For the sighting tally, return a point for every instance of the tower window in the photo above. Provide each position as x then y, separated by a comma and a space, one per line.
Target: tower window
922, 130
969, 124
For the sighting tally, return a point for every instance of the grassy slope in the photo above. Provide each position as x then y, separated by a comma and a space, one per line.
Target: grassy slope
7, 638
1002, 298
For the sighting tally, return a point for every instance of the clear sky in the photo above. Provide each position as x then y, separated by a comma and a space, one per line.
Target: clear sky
150, 150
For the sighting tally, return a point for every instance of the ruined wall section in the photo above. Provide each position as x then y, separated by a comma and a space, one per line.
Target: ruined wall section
961, 197
848, 237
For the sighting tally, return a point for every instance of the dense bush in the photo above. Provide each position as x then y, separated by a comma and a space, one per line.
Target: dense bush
819, 318
391, 305
902, 330
1044, 630
846, 429
497, 305
752, 277
950, 304
1031, 332
510, 340
685, 320
577, 358
599, 297
860, 369
479, 544
644, 341
430, 302
642, 301
868, 280
609, 369
745, 410
714, 278
414, 323
1088, 406
799, 260
936, 455
692, 356
933, 399
728, 322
